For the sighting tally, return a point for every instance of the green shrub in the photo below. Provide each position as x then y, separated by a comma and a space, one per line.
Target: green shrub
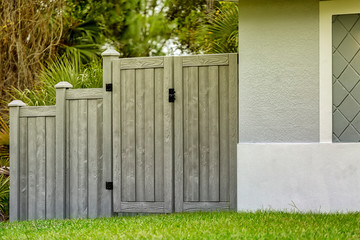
4, 162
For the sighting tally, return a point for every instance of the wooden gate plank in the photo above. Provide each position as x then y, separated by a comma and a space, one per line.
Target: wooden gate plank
32, 166
128, 127
204, 132
214, 165
94, 161
83, 158
179, 116
41, 168
140, 134
74, 164
224, 134
50, 168
191, 163
233, 130
117, 135
159, 135
23, 208
149, 102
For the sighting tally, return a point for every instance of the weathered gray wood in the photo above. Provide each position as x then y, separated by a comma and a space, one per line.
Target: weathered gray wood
14, 162
60, 199
159, 135
117, 137
23, 169
205, 60
50, 168
214, 165
168, 137
128, 135
206, 206
143, 207
84, 93
140, 135
191, 162
32, 166
67, 159
179, 134
204, 132
43, 111
233, 127
41, 168
149, 125
109, 57
83, 158
224, 133
105, 209
93, 176
74, 159
138, 63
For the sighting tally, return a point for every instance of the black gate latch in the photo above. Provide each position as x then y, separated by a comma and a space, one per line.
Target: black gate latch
172, 95
109, 185
108, 87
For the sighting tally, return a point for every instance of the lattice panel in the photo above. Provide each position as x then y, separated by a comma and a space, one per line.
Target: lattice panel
346, 78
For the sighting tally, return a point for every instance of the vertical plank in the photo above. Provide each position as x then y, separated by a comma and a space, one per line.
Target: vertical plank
191, 162
117, 136
32, 163
128, 135
224, 133
83, 159
233, 127
149, 108
14, 163
214, 165
168, 137
159, 135
104, 196
140, 134
74, 158
93, 154
109, 57
61, 150
67, 160
23, 169
179, 134
50, 168
204, 132
41, 168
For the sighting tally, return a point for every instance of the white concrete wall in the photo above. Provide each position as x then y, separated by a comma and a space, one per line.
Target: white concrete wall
316, 177
279, 71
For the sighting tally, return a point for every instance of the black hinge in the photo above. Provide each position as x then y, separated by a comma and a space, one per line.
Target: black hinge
109, 185
108, 87
172, 95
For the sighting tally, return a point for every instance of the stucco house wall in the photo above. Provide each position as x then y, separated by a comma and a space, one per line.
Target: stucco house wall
286, 158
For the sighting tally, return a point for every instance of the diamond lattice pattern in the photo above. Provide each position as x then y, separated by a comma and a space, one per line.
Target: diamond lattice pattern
346, 78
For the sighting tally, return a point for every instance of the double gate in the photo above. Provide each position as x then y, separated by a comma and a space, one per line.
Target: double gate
161, 134
174, 133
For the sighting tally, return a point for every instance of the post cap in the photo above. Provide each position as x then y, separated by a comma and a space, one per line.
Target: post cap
63, 85
17, 103
110, 52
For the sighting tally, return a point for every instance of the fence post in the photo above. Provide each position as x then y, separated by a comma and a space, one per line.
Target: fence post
15, 158
107, 203
60, 167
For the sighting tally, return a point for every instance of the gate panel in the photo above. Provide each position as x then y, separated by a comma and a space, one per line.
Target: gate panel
205, 132
142, 135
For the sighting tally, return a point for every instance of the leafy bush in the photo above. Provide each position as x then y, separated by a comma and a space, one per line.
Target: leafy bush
4, 163
67, 69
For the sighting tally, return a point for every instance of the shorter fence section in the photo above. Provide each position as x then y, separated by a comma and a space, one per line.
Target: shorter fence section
57, 166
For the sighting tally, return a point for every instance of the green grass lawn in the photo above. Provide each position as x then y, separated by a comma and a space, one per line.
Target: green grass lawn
224, 225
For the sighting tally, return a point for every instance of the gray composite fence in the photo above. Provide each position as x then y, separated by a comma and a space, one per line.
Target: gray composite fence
127, 147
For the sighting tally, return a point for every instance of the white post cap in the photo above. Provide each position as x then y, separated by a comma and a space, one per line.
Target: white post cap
17, 103
110, 53
63, 85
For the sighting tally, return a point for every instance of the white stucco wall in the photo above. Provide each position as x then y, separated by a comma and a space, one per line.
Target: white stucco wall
279, 71
307, 177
